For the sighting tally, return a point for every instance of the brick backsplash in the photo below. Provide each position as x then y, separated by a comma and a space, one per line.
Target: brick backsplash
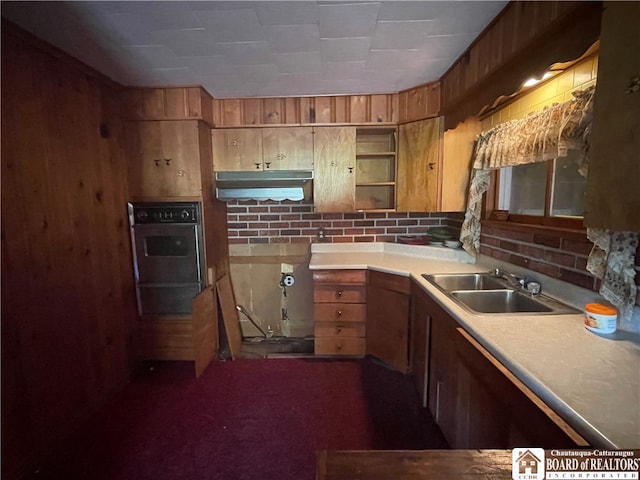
295, 222
557, 253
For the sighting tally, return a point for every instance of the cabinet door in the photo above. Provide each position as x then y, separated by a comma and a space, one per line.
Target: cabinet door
237, 149
334, 183
420, 327
613, 197
287, 148
457, 149
388, 319
418, 166
165, 160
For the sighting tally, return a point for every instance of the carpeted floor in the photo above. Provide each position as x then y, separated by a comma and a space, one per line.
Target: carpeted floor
257, 419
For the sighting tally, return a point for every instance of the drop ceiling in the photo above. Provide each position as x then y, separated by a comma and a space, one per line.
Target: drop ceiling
262, 48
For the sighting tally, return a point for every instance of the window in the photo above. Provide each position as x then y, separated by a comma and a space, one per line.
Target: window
548, 193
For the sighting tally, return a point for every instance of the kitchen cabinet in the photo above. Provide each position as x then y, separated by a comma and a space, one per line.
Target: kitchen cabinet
334, 182
475, 400
419, 166
613, 198
354, 169
164, 159
420, 330
388, 319
339, 298
244, 149
457, 151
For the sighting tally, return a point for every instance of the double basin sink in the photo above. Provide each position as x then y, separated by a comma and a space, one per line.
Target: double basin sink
481, 293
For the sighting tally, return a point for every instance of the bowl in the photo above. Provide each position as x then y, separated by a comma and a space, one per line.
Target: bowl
452, 243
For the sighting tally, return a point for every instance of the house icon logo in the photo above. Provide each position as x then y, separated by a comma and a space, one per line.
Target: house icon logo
527, 464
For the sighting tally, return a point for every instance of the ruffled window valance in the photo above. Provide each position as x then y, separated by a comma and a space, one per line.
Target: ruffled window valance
539, 137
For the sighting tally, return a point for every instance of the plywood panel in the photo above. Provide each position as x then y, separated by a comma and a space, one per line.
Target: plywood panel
457, 148
205, 329
334, 169
229, 315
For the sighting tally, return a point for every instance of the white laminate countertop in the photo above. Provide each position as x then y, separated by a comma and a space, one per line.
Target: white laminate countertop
591, 381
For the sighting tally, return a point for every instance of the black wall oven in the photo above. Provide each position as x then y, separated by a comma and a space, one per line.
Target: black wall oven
167, 256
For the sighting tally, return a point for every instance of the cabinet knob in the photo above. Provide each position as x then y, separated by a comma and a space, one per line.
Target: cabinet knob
338, 313
156, 161
167, 161
338, 293
235, 142
268, 164
338, 347
431, 165
338, 329
350, 169
281, 156
257, 165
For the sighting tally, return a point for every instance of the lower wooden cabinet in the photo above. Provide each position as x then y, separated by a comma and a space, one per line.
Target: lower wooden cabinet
420, 344
388, 319
340, 309
475, 400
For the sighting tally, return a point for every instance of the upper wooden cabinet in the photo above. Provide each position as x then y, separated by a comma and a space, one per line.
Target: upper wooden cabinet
376, 168
334, 183
243, 149
168, 103
457, 149
164, 159
418, 166
613, 197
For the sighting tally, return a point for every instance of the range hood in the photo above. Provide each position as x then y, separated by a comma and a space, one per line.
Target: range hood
263, 185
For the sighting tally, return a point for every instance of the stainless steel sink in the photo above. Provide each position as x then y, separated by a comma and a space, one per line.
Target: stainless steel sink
466, 281
480, 293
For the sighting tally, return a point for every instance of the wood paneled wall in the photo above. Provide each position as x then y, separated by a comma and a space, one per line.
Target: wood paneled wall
168, 103
68, 305
524, 40
358, 109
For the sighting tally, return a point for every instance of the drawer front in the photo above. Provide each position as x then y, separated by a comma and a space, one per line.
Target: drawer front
340, 346
340, 276
340, 312
340, 293
391, 282
339, 329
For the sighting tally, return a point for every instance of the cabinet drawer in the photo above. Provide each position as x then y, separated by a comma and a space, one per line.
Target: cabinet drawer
389, 281
339, 329
340, 312
340, 276
340, 346
339, 293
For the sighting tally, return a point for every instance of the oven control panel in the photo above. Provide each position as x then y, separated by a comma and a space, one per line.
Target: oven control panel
173, 212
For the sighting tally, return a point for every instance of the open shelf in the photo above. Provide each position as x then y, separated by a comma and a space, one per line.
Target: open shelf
376, 168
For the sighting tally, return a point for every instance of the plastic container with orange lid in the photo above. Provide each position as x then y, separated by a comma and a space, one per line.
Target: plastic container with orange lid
600, 318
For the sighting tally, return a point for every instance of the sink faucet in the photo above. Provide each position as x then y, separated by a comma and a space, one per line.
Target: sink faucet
531, 286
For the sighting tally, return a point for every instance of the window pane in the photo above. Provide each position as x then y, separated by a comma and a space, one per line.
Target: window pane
528, 185
569, 188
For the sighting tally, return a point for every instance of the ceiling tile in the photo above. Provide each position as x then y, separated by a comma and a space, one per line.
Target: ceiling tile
399, 11
400, 35
300, 62
381, 60
248, 53
293, 38
343, 69
163, 15
232, 25
284, 13
351, 20
345, 49
188, 43
154, 56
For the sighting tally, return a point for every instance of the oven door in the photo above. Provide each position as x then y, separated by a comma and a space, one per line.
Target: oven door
166, 299
167, 254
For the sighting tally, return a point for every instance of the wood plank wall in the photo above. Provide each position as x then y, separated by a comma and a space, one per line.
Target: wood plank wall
524, 39
68, 304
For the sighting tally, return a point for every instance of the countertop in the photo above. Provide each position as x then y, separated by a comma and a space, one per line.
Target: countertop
591, 381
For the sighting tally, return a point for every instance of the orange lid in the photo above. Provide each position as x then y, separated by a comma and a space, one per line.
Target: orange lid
600, 309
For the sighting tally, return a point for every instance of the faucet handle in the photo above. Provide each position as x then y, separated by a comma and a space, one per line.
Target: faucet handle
534, 288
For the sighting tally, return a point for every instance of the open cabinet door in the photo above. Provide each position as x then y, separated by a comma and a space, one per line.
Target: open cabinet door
205, 328
229, 315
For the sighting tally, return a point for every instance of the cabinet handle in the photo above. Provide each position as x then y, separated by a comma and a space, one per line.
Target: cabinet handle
338, 347
268, 164
235, 142
338, 329
156, 161
257, 165
338, 313
350, 169
281, 156
338, 293
431, 165
167, 161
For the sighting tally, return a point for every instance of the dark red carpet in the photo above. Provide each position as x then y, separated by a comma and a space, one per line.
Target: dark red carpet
246, 419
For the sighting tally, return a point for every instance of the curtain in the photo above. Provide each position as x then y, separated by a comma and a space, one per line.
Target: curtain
542, 136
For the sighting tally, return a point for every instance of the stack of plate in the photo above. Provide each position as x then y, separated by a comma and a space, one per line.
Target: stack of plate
439, 236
